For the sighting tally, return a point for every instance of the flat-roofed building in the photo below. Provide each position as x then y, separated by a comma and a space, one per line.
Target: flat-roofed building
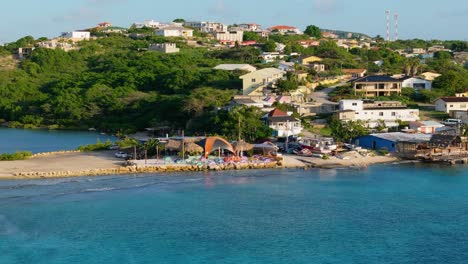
376, 85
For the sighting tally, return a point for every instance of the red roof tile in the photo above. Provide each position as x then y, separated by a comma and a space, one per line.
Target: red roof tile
276, 112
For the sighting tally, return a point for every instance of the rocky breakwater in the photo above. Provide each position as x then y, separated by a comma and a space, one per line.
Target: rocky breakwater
129, 168
43, 154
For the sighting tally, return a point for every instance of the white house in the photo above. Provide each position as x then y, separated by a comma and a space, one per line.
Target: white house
415, 83
373, 113
426, 127
148, 23
249, 27
76, 35
253, 83
271, 56
206, 26
174, 31
233, 67
230, 36
283, 124
449, 104
282, 29
164, 47
286, 66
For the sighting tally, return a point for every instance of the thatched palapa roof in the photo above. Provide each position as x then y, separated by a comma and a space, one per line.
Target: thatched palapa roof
242, 146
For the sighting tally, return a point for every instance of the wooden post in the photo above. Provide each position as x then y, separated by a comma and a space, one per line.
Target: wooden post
157, 151
238, 127
146, 155
183, 146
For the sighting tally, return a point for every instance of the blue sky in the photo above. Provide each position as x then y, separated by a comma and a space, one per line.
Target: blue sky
426, 19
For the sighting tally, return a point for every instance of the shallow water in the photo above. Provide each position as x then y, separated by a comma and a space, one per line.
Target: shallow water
384, 214
36, 140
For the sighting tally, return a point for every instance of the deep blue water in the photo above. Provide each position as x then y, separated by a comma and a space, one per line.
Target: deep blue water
384, 214
36, 140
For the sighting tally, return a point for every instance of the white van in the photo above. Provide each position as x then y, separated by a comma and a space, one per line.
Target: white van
452, 122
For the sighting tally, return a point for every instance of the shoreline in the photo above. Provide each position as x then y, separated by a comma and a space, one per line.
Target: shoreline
80, 164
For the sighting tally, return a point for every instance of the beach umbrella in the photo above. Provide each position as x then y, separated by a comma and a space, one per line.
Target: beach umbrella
210, 144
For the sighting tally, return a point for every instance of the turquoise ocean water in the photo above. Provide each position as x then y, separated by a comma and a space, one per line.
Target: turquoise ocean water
36, 140
384, 214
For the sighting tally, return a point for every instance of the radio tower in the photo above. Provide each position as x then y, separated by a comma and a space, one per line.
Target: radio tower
387, 14
396, 26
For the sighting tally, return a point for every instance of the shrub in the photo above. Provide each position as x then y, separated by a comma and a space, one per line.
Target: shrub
383, 151
19, 155
96, 147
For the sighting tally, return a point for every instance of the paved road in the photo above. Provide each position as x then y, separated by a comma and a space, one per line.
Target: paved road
322, 96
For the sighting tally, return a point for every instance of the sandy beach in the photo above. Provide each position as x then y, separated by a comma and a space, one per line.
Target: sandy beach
76, 161
97, 163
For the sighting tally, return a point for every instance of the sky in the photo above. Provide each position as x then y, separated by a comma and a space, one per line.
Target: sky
425, 19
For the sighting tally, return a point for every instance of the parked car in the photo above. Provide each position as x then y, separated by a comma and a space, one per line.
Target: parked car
114, 147
121, 154
452, 122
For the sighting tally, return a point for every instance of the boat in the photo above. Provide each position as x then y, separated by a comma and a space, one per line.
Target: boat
322, 145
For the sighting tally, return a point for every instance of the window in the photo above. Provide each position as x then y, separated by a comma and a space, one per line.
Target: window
451, 105
354, 104
253, 80
381, 86
381, 114
395, 86
393, 113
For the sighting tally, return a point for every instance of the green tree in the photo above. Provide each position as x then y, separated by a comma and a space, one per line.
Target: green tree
346, 131
179, 20
451, 82
269, 46
313, 31
249, 35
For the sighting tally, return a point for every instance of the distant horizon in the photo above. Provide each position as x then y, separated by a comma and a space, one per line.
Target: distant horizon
418, 19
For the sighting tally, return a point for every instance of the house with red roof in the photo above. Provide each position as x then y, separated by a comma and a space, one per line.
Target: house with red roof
283, 30
282, 123
105, 24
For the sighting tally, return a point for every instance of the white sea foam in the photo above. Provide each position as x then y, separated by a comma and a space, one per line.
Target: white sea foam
105, 189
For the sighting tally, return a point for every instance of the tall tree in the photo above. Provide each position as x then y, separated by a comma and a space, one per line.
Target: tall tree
313, 31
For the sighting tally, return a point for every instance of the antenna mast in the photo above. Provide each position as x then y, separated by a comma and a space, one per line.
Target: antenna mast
396, 26
387, 15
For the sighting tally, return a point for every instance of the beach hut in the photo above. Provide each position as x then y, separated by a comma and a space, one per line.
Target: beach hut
173, 144
241, 146
265, 148
192, 148
211, 144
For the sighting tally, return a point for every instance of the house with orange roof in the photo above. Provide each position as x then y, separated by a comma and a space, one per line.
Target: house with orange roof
353, 73
308, 43
105, 24
283, 30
